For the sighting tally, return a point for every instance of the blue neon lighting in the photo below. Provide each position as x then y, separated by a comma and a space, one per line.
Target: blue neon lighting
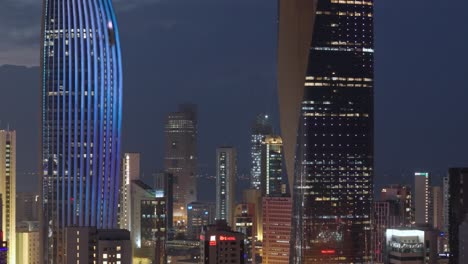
81, 116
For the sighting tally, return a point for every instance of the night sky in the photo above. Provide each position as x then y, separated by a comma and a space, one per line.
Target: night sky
221, 54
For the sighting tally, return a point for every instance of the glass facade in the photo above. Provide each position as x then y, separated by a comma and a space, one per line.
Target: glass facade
81, 119
333, 177
272, 166
180, 159
226, 173
261, 127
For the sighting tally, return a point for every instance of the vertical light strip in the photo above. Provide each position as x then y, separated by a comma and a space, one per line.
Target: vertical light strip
69, 118
119, 106
108, 114
101, 121
45, 44
58, 125
63, 95
82, 113
85, 215
109, 127
95, 105
97, 164
76, 113
115, 155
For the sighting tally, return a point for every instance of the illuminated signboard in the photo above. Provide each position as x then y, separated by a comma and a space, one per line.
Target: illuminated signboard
327, 251
212, 243
227, 238
212, 238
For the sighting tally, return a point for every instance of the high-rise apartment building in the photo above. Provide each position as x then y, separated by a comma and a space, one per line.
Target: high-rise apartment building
446, 218
422, 198
260, 128
130, 172
226, 173
272, 166
199, 214
386, 215
8, 189
27, 206
164, 184
326, 79
437, 207
81, 120
244, 222
458, 208
27, 243
276, 229
219, 244
181, 158
403, 196
147, 220
254, 197
446, 199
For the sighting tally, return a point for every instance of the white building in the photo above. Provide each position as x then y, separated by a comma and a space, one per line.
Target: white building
8, 190
411, 246
130, 172
226, 173
27, 243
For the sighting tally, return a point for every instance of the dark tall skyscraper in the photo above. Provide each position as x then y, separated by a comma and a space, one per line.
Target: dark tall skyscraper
458, 208
326, 84
226, 173
81, 119
181, 158
260, 128
164, 183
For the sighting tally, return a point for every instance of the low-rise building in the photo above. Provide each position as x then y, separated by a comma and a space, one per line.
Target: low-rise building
199, 214
90, 245
411, 246
219, 244
27, 242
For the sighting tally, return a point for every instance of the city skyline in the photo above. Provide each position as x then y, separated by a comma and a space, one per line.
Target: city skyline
362, 150
394, 160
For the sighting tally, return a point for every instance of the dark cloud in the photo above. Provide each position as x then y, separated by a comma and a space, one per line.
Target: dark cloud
20, 26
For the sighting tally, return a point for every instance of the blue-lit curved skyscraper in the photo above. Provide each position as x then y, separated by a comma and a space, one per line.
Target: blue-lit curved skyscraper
81, 119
